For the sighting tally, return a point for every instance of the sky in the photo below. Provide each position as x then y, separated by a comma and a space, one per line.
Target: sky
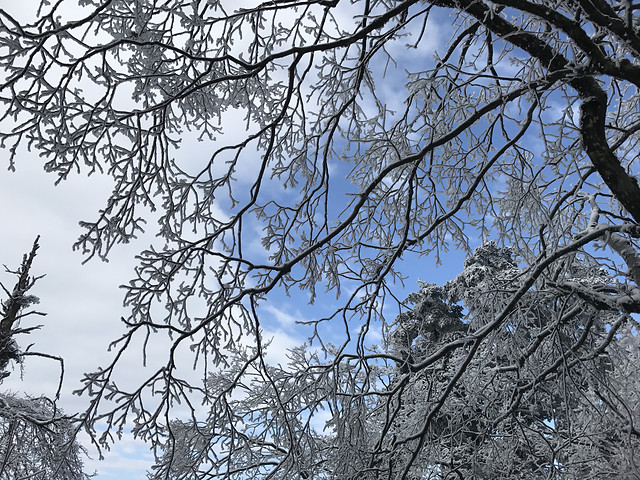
83, 302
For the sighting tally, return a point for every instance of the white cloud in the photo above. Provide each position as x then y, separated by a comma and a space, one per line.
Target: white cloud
130, 457
280, 343
284, 319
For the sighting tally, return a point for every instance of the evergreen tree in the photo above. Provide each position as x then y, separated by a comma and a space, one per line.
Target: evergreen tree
37, 440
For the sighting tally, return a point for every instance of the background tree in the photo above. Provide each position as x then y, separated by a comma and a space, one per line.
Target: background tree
37, 441
531, 402
523, 128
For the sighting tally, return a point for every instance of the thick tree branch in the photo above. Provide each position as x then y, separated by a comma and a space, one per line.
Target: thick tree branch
593, 110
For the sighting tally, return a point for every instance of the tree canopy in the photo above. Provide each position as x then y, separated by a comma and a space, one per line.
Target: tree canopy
338, 143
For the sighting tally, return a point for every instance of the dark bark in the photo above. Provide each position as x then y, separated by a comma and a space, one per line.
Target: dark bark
582, 78
11, 312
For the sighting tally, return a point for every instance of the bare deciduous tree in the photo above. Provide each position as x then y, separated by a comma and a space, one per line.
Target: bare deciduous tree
523, 129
